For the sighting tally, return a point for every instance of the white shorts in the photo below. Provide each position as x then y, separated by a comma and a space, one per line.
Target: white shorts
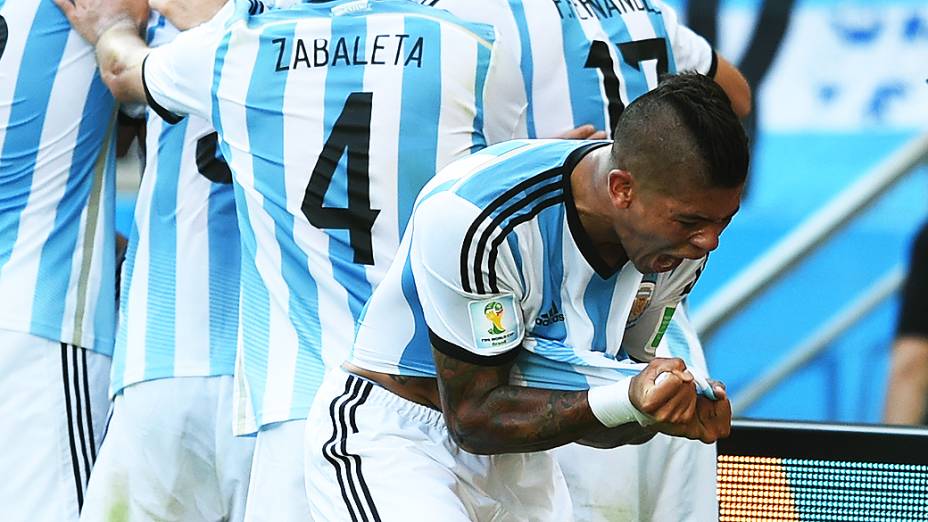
372, 455
666, 479
277, 492
169, 454
53, 402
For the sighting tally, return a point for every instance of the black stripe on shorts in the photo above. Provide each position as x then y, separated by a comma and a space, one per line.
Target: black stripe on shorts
347, 466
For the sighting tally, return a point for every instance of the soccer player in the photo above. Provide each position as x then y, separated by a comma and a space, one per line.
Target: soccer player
175, 348
583, 62
332, 116
533, 275
57, 261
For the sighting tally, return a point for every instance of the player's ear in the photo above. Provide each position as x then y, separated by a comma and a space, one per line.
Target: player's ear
621, 190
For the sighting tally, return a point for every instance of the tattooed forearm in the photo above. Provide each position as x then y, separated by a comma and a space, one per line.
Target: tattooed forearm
487, 415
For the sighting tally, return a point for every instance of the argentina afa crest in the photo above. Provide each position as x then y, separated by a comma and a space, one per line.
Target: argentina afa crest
642, 300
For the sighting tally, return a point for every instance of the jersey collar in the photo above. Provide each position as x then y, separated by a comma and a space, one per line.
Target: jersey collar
581, 238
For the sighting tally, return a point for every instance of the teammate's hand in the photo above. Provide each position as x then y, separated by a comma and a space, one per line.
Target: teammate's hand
91, 18
184, 14
584, 132
672, 400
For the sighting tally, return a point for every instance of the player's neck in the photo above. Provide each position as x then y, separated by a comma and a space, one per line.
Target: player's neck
594, 208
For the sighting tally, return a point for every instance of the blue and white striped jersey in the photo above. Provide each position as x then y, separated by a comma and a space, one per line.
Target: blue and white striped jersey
496, 259
178, 314
583, 62
332, 117
57, 177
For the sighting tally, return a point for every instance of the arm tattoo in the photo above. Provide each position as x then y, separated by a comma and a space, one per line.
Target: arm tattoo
485, 414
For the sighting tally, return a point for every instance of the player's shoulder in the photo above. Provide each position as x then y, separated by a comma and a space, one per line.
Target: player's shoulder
260, 12
513, 169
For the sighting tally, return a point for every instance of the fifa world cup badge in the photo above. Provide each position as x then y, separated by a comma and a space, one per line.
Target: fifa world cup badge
495, 322
494, 312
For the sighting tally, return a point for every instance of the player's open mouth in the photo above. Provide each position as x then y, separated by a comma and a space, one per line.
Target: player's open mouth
663, 263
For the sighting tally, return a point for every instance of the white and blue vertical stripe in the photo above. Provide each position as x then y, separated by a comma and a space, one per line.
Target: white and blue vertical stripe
573, 67
57, 178
180, 296
302, 291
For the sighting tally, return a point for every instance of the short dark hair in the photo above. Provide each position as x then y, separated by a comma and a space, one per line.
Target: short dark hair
686, 123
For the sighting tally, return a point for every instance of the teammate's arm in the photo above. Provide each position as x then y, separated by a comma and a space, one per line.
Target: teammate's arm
184, 14
114, 28
693, 53
174, 79
735, 86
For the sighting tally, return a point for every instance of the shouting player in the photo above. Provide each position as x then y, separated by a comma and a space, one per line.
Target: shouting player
582, 63
533, 275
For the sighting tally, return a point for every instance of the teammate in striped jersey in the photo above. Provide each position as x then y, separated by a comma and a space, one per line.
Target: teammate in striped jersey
533, 276
175, 348
583, 62
57, 260
332, 117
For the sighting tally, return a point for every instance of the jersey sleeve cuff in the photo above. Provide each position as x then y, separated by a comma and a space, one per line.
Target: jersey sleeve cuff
165, 114
456, 352
713, 66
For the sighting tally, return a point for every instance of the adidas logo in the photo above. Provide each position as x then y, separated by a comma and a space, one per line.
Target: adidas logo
552, 316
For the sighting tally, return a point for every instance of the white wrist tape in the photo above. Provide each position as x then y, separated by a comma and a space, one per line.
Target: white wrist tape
612, 406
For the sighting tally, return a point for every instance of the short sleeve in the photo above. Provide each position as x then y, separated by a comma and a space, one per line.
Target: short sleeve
178, 76
648, 322
480, 323
691, 52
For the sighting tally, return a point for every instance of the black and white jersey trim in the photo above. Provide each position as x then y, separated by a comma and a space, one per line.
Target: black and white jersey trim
354, 490
79, 416
456, 352
165, 114
473, 247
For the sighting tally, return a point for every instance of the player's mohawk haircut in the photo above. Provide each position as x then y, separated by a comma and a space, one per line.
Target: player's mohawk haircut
700, 117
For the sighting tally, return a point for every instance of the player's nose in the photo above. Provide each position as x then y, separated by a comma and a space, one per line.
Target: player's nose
705, 240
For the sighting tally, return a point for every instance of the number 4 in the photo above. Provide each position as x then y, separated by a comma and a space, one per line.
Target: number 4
352, 134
